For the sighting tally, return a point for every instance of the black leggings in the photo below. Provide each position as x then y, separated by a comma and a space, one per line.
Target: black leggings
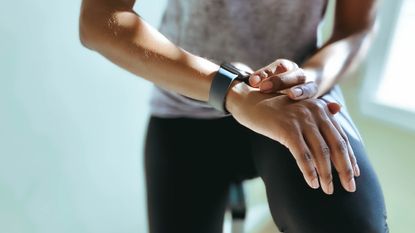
190, 164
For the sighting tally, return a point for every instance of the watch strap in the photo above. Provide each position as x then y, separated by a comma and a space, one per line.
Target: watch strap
221, 82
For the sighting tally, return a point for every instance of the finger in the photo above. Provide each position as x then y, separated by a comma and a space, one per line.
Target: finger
303, 91
321, 156
339, 151
257, 77
303, 157
334, 108
283, 81
351, 153
277, 67
254, 80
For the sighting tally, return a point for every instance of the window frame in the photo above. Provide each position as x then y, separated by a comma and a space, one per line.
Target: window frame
375, 67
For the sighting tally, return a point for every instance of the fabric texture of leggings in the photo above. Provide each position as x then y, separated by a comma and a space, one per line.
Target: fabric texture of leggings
190, 164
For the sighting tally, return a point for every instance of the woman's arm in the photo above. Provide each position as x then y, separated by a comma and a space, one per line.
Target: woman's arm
353, 28
112, 28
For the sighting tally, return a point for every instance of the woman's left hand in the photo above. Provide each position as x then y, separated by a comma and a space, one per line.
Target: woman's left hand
285, 77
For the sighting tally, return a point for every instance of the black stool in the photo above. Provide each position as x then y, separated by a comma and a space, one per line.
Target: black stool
237, 207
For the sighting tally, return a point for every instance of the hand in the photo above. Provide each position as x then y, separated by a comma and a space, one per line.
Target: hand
284, 77
307, 128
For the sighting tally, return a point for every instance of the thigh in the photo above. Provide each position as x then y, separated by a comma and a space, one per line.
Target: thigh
187, 174
296, 208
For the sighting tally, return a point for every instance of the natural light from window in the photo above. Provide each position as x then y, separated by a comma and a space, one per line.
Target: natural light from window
397, 87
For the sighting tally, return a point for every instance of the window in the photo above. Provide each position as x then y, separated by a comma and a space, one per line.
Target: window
389, 92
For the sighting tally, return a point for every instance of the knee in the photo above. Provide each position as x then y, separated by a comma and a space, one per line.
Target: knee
366, 225
347, 225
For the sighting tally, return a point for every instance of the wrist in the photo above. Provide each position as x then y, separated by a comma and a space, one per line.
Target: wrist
238, 91
226, 78
311, 74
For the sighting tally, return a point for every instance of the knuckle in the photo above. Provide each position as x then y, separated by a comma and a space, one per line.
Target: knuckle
280, 60
299, 76
327, 177
348, 172
308, 157
311, 173
325, 152
300, 72
304, 157
302, 78
287, 64
342, 146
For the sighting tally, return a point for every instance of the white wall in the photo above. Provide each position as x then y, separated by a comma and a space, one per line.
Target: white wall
71, 126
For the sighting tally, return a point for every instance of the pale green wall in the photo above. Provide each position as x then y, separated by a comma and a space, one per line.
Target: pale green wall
71, 126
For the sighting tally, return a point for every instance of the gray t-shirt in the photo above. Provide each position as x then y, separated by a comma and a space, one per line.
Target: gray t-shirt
251, 32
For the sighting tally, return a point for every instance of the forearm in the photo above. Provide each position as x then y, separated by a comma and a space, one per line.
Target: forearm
335, 58
128, 41
352, 32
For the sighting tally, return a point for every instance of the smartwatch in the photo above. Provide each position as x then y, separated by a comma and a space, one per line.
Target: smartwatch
221, 82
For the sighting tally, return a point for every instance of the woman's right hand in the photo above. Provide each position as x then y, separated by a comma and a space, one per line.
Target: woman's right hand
284, 77
306, 128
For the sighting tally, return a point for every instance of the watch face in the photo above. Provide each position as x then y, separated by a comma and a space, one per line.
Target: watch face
242, 74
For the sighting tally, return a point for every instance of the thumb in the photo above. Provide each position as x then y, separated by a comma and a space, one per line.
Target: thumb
334, 107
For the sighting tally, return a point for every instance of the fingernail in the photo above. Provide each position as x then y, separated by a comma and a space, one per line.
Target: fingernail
255, 80
297, 92
314, 183
266, 85
333, 108
356, 170
330, 189
351, 186
281, 68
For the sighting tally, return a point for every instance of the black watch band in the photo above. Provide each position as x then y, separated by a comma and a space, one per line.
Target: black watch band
221, 82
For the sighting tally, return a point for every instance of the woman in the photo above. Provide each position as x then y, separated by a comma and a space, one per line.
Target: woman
211, 126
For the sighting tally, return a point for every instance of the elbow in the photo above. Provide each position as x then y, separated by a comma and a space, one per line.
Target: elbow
86, 31
93, 27
83, 35
99, 30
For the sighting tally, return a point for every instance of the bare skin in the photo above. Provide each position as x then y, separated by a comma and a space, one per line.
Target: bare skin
310, 132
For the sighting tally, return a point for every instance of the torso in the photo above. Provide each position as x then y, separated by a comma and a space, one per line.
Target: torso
252, 32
